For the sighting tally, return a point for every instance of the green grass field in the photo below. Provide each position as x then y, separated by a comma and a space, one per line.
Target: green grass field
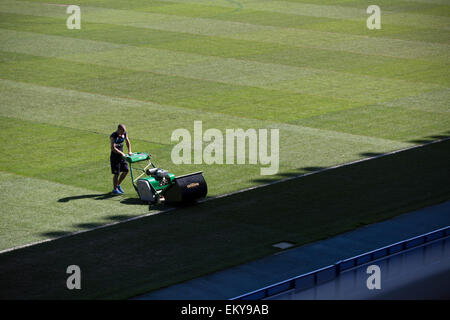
336, 91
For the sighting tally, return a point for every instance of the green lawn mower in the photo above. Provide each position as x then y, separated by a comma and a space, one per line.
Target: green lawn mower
155, 185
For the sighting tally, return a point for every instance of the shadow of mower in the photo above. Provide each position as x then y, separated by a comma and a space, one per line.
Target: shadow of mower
102, 196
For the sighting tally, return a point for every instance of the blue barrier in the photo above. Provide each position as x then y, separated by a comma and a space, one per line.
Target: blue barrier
435, 235
328, 273
282, 287
396, 248
380, 253
363, 259
305, 282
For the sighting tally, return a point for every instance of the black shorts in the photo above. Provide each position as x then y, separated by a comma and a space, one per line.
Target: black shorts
118, 164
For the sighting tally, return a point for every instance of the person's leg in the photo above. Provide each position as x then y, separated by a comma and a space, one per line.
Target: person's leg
115, 170
122, 177
115, 181
124, 171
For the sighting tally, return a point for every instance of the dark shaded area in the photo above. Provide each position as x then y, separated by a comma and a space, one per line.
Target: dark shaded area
420, 141
88, 225
428, 139
101, 196
118, 217
438, 137
287, 174
370, 154
312, 169
145, 254
290, 174
263, 180
55, 234
433, 287
151, 206
133, 201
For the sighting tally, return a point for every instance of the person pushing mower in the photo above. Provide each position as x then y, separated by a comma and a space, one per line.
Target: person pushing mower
118, 163
153, 184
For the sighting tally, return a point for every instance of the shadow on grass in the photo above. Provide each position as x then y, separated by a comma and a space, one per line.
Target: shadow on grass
139, 202
289, 174
443, 136
420, 141
105, 196
371, 154
102, 196
56, 234
119, 217
431, 138
133, 201
311, 169
114, 218
88, 225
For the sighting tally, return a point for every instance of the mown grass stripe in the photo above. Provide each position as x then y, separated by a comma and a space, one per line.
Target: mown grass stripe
299, 146
49, 46
87, 161
285, 109
245, 31
189, 93
329, 11
415, 32
61, 154
378, 66
225, 70
418, 32
348, 10
282, 112
385, 121
429, 1
434, 101
81, 102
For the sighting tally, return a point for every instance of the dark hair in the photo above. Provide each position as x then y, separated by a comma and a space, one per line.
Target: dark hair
121, 126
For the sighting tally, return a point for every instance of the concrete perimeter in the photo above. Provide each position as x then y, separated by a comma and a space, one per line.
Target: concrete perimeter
251, 276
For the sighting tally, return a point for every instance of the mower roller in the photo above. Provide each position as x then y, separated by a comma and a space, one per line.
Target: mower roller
155, 185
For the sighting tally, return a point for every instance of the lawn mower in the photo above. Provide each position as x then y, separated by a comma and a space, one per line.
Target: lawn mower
155, 185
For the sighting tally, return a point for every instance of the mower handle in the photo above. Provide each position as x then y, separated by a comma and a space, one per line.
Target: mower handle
137, 156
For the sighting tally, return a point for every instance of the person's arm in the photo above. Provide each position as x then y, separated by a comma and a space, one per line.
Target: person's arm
114, 149
128, 145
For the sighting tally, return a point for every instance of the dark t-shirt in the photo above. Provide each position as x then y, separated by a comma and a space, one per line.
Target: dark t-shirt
119, 143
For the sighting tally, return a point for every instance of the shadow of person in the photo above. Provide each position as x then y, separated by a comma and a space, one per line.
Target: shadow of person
101, 196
